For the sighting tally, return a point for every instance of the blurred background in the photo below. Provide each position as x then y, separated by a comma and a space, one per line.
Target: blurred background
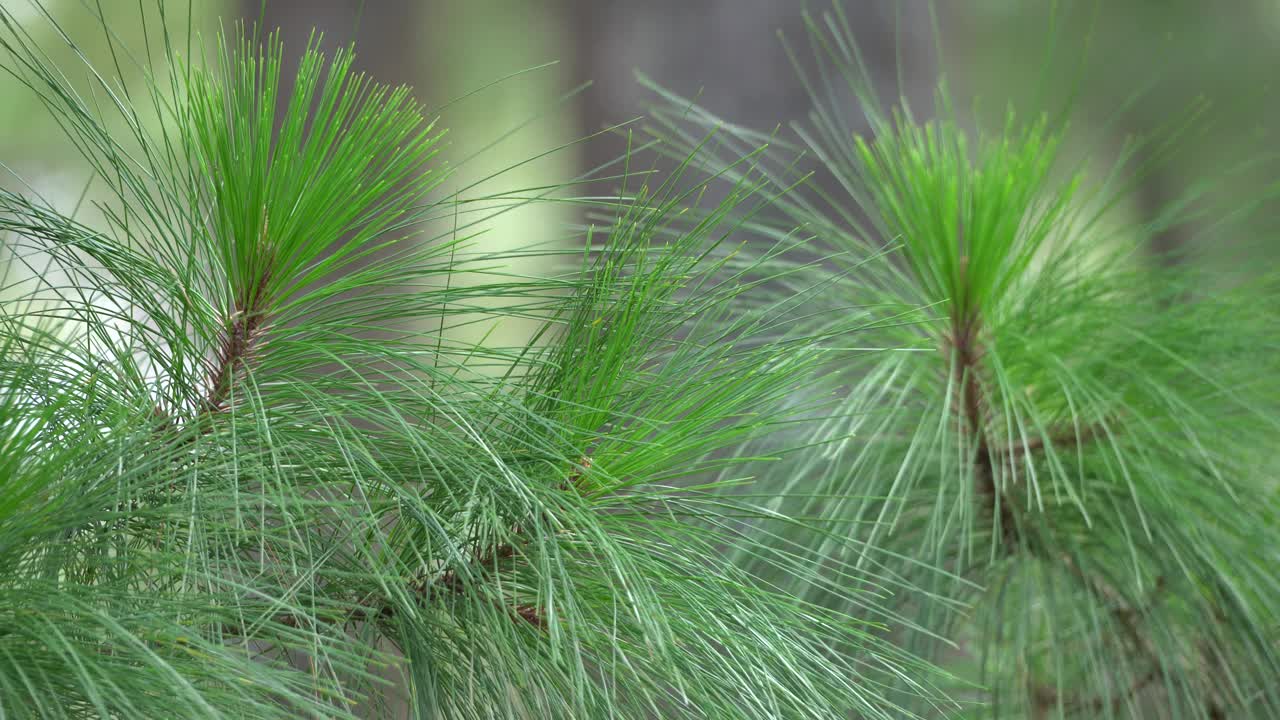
1127, 66
508, 78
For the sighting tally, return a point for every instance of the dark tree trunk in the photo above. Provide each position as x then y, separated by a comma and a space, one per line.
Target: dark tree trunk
728, 54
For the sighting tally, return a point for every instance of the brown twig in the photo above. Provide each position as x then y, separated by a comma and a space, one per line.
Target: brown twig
244, 328
237, 345
963, 346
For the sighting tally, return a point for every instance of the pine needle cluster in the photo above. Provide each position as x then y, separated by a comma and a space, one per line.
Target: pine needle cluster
1080, 438
250, 469
901, 424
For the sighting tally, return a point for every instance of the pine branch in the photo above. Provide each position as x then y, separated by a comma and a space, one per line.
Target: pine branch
245, 327
964, 352
535, 527
1106, 418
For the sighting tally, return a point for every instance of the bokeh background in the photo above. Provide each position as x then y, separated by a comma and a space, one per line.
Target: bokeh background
1126, 66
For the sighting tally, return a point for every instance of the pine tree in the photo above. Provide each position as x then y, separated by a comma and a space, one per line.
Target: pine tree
249, 469
1083, 442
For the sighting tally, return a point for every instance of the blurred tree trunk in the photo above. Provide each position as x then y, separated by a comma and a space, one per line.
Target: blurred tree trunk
727, 53
503, 134
446, 49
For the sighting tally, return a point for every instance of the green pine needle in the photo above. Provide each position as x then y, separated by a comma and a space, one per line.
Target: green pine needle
242, 480
1082, 441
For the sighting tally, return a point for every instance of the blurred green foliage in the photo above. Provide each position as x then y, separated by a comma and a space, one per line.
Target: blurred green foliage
30, 138
1135, 67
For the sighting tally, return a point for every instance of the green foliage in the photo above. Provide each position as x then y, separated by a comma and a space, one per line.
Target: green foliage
1081, 440
935, 404
248, 469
